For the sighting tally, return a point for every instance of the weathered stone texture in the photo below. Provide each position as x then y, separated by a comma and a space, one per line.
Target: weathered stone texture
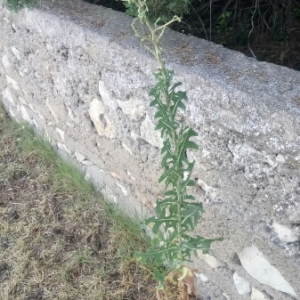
85, 86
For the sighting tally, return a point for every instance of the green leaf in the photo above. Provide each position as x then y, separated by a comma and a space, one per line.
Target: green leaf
170, 193
164, 176
159, 277
190, 197
155, 242
185, 144
191, 183
191, 145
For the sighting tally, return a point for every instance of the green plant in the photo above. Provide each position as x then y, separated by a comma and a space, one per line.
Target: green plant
16, 5
160, 10
178, 213
223, 27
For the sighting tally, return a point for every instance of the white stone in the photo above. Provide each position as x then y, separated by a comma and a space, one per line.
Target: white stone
96, 110
97, 107
242, 285
16, 52
285, 233
133, 107
123, 189
130, 175
5, 62
87, 163
127, 148
280, 158
23, 72
202, 277
110, 128
64, 148
211, 260
61, 133
13, 115
79, 156
149, 134
226, 296
49, 47
260, 269
8, 96
210, 192
35, 123
115, 175
70, 114
12, 82
134, 135
257, 295
25, 115
23, 101
87, 176
106, 96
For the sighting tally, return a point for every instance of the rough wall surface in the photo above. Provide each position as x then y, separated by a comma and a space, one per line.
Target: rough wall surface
78, 74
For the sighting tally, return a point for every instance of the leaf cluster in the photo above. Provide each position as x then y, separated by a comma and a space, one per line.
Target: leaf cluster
162, 9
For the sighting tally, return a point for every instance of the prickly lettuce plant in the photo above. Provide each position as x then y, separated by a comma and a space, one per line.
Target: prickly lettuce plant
178, 213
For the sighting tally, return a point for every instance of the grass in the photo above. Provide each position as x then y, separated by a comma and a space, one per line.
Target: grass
58, 237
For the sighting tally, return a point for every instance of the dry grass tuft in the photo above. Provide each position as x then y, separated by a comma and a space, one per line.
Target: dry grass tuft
58, 239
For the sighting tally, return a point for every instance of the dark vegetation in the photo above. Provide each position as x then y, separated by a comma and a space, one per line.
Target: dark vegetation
268, 30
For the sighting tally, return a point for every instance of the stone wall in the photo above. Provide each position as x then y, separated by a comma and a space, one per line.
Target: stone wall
77, 73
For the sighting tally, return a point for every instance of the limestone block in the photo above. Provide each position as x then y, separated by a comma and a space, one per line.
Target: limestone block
260, 269
149, 134
242, 285
104, 126
133, 107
